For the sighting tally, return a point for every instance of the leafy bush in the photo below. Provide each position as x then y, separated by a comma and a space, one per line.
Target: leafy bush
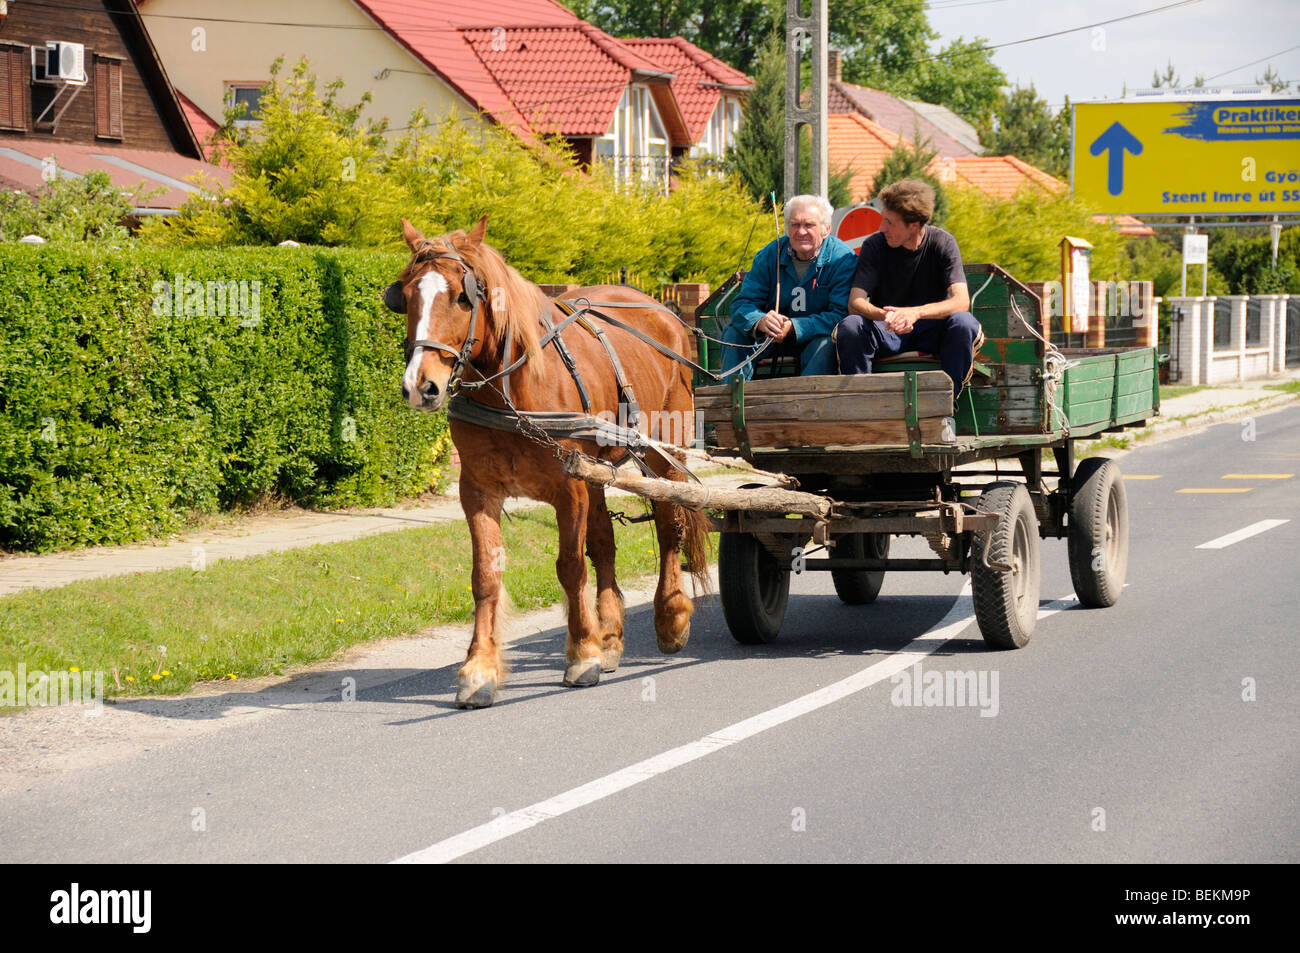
87, 209
140, 385
1023, 234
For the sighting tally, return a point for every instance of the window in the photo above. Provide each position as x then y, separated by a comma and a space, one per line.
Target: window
15, 88
636, 145
108, 98
251, 95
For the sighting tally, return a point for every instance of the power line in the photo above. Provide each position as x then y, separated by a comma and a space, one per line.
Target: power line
1253, 62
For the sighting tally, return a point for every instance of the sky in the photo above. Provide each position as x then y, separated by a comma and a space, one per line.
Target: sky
1205, 36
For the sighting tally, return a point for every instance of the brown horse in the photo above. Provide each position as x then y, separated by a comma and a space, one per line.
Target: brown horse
448, 281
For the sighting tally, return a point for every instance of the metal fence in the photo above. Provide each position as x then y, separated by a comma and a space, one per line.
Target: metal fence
1293, 332
1222, 325
1254, 323
1175, 337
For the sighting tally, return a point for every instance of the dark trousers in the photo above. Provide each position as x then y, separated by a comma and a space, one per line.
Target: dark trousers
859, 341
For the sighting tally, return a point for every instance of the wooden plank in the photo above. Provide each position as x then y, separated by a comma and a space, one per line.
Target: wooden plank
1086, 390
1092, 412
1133, 403
832, 384
788, 435
847, 408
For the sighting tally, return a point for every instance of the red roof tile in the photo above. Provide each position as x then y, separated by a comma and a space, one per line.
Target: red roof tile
999, 176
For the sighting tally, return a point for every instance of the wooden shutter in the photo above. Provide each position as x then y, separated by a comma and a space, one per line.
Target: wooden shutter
108, 98
14, 108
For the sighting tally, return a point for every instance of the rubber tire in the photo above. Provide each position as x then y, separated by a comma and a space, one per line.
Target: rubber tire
1006, 603
858, 587
755, 590
1098, 520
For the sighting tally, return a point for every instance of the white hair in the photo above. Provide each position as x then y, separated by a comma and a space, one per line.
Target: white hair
803, 201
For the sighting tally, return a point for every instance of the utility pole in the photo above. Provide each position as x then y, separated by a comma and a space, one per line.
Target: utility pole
805, 35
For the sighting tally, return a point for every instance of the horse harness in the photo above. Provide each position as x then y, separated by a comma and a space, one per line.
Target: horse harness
553, 424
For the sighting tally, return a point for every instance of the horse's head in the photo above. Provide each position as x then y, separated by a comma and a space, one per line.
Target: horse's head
443, 300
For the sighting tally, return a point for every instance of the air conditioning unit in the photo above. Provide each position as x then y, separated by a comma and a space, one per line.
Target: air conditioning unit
60, 63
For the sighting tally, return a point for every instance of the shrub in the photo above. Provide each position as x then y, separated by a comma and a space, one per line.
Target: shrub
126, 404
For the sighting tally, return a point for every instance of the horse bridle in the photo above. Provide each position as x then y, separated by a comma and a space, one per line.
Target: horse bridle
395, 300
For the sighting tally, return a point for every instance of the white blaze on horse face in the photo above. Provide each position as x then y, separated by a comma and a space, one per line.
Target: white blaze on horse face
430, 285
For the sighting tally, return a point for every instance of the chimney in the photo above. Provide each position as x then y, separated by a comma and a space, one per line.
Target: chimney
834, 66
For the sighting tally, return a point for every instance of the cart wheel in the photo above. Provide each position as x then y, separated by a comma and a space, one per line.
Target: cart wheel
1006, 603
1098, 533
755, 588
857, 587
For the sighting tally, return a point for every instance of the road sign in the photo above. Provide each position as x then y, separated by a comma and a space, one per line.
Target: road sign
1196, 249
1188, 157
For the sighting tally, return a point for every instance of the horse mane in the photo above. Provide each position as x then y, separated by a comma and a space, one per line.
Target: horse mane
511, 302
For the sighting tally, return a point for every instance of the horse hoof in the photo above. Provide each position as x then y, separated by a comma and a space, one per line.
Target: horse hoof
470, 695
671, 646
583, 673
609, 660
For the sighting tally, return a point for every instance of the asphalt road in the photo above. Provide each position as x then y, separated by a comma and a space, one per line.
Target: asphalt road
1163, 729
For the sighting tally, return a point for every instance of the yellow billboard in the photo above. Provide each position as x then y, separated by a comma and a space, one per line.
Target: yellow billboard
1188, 157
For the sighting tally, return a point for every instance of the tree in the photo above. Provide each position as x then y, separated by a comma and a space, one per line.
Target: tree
962, 77
1275, 83
913, 163
1170, 78
1024, 126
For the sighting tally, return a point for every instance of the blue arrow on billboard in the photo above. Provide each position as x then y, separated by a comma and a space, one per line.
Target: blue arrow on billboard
1116, 141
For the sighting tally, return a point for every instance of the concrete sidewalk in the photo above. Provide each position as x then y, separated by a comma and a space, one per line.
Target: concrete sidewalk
259, 534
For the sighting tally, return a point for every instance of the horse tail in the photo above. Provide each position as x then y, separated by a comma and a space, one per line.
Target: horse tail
696, 546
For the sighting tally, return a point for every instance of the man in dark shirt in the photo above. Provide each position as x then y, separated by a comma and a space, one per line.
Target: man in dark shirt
909, 291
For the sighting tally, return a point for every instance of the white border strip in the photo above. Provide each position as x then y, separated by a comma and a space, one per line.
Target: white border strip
1254, 529
958, 618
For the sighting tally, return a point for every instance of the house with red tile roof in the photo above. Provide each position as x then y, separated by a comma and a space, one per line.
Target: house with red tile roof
82, 89
531, 66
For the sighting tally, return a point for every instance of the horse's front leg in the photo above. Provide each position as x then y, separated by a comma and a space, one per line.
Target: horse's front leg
582, 650
609, 599
484, 669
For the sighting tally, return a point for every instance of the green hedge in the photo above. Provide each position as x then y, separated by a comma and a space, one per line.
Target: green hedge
121, 414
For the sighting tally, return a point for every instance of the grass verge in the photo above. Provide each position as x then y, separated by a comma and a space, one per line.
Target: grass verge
160, 633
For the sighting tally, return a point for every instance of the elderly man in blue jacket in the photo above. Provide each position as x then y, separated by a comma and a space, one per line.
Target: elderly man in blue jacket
815, 272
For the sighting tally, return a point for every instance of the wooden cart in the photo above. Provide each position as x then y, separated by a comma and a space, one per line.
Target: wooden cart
888, 455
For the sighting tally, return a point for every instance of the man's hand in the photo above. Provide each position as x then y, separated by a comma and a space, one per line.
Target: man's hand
901, 320
774, 326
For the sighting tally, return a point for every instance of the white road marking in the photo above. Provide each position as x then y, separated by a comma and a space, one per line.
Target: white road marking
1254, 529
959, 617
